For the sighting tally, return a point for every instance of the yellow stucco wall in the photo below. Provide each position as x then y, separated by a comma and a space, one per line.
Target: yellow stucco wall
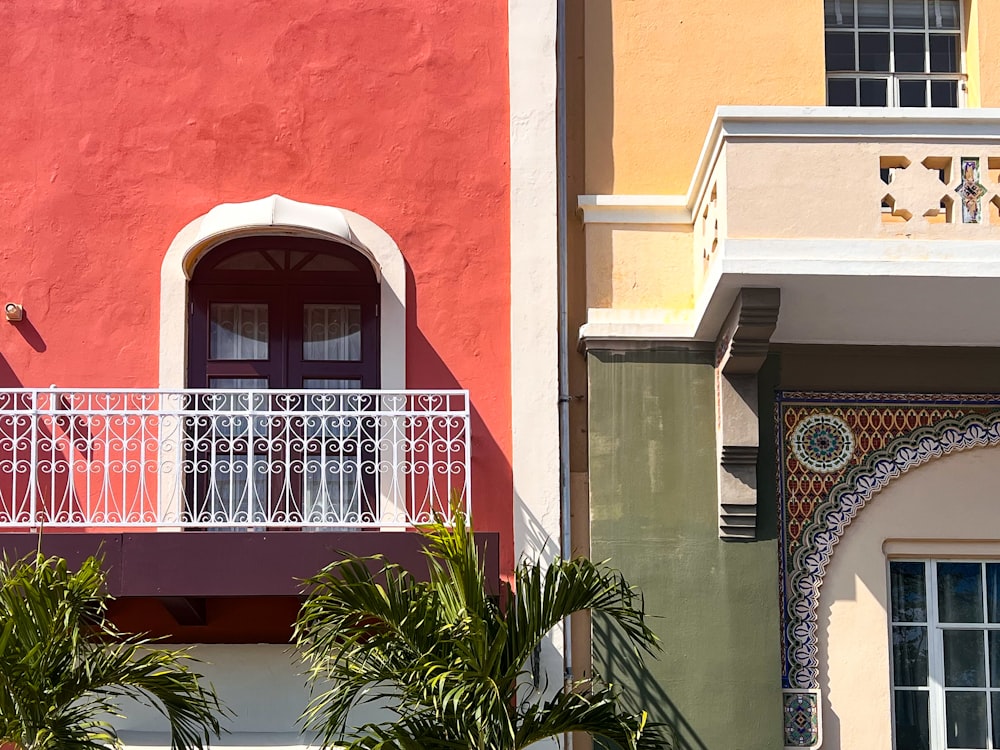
657, 69
654, 73
639, 267
981, 55
972, 49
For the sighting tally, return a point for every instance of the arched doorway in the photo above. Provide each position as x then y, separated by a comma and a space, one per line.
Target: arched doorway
283, 312
282, 334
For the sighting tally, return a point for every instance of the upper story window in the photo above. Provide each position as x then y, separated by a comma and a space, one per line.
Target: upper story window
945, 654
893, 53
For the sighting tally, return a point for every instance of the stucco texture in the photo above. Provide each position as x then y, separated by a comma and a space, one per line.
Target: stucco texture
654, 513
125, 120
655, 72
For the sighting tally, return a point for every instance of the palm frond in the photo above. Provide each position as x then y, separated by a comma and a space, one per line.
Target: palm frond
448, 660
597, 711
547, 596
63, 663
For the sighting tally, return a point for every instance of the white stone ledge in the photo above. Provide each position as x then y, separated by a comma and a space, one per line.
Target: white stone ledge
634, 209
817, 257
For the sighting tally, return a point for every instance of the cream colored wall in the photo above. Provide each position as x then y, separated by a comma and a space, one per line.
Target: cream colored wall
657, 70
831, 189
950, 499
259, 683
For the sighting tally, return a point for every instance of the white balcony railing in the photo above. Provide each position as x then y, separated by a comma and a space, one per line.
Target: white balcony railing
228, 459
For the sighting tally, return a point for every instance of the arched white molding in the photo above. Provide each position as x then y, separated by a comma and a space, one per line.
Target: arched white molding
277, 215
848, 498
946, 509
803, 726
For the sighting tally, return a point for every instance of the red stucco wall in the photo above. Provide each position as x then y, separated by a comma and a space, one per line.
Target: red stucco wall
124, 119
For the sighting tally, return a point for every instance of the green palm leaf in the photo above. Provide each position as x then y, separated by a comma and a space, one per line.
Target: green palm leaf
63, 665
450, 661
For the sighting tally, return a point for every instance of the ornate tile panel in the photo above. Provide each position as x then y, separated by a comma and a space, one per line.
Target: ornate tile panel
801, 715
835, 451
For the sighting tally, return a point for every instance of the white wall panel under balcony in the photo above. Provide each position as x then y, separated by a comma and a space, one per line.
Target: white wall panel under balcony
259, 683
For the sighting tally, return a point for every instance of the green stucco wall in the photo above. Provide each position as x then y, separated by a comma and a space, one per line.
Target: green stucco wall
654, 514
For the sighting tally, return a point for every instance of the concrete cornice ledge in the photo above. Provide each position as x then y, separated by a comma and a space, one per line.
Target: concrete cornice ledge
634, 209
636, 336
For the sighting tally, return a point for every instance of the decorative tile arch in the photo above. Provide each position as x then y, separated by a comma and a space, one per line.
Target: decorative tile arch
889, 434
277, 215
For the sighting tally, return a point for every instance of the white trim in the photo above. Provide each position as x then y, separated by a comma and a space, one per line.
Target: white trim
534, 277
760, 262
634, 209
276, 215
792, 257
977, 549
534, 298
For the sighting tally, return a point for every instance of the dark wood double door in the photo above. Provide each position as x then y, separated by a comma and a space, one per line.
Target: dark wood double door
271, 319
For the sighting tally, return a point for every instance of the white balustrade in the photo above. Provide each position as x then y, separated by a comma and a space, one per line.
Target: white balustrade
232, 459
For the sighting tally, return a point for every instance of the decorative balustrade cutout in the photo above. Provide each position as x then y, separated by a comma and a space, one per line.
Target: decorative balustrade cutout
930, 188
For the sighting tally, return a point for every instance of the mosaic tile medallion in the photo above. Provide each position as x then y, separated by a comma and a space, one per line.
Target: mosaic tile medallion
823, 443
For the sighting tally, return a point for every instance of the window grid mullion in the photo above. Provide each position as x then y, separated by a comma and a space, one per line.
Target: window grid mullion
986, 657
893, 78
935, 677
857, 51
927, 41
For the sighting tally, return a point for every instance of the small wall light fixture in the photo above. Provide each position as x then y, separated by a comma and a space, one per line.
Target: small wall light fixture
13, 312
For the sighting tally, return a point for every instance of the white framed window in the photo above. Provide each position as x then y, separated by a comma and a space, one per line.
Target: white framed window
894, 53
945, 644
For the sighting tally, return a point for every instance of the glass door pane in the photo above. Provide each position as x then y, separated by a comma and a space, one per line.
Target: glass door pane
238, 331
960, 592
873, 13
236, 455
874, 92
913, 93
331, 333
911, 726
908, 14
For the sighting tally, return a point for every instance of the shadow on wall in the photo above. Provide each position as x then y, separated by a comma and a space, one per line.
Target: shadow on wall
25, 330
490, 469
621, 666
30, 334
536, 538
599, 112
8, 378
600, 93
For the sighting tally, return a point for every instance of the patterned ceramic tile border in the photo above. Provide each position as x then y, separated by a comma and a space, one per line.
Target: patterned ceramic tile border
801, 715
835, 451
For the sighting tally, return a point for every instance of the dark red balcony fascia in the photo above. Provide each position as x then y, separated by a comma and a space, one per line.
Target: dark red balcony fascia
210, 564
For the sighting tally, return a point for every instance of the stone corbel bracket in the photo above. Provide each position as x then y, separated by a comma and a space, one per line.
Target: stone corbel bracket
740, 350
